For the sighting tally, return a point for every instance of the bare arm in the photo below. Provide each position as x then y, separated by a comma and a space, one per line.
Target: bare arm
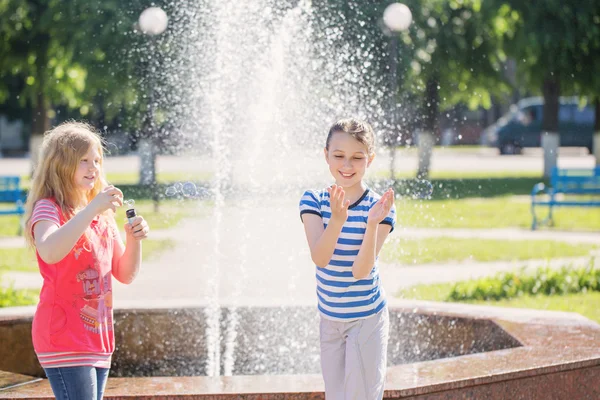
322, 241
53, 243
375, 236
128, 259
369, 250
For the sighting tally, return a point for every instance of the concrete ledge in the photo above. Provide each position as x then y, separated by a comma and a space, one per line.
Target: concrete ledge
539, 355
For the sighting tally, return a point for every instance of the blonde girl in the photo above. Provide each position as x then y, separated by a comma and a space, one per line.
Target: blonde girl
70, 223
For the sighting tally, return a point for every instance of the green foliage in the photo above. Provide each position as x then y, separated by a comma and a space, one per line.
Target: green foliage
546, 281
585, 303
558, 38
458, 44
11, 297
74, 59
51, 46
446, 249
465, 187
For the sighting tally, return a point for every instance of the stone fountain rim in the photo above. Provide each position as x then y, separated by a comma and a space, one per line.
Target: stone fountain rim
544, 335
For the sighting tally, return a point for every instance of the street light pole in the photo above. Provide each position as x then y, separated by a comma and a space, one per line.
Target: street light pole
152, 22
393, 109
396, 18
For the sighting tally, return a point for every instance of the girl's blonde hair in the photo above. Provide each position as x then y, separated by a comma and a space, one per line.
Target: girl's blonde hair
54, 176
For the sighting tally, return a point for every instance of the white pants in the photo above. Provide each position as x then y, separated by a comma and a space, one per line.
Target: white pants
354, 357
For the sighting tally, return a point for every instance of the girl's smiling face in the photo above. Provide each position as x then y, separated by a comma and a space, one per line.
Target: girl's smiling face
88, 170
348, 159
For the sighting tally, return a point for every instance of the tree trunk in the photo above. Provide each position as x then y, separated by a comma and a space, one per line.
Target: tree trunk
147, 152
147, 144
40, 120
550, 136
40, 124
596, 144
430, 125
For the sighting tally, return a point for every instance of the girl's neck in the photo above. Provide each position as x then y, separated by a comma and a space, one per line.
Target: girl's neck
355, 192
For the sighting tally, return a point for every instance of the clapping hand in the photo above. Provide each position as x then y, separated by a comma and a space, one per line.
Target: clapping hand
382, 208
338, 204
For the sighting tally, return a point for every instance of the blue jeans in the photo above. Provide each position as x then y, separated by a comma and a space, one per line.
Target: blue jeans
77, 383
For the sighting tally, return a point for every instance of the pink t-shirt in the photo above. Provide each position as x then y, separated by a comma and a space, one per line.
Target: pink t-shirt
73, 323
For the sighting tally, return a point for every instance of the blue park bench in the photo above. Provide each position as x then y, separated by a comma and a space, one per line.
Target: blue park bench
566, 182
11, 192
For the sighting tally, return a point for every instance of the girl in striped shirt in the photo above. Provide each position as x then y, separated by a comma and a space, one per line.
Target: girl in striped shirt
346, 225
70, 223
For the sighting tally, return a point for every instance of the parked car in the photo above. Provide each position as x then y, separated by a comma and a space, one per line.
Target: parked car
522, 126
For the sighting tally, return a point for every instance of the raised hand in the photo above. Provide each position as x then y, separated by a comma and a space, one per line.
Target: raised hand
382, 208
109, 198
138, 228
338, 204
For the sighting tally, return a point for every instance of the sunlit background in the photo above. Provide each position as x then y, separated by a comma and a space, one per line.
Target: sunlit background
215, 114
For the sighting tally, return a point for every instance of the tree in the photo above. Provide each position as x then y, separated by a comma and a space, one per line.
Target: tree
66, 54
450, 54
585, 78
553, 44
458, 58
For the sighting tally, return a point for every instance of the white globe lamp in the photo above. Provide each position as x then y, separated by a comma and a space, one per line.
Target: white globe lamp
153, 21
397, 17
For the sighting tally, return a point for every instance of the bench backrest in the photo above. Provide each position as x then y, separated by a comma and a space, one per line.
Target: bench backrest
10, 189
576, 180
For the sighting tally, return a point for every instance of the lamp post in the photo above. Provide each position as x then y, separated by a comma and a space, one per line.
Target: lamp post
152, 22
396, 18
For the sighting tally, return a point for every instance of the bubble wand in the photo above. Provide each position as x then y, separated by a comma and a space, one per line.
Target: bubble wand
130, 213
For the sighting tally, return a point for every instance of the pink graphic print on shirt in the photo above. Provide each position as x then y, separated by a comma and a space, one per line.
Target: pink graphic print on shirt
96, 314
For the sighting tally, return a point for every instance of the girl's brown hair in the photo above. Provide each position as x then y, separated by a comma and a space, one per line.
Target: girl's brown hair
359, 130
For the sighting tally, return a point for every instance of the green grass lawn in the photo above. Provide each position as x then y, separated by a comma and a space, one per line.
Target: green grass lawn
585, 304
23, 259
456, 175
499, 212
9, 225
170, 213
446, 249
449, 185
162, 177
17, 259
11, 297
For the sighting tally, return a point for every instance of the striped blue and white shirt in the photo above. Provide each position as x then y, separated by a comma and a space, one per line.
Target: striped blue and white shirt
341, 297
